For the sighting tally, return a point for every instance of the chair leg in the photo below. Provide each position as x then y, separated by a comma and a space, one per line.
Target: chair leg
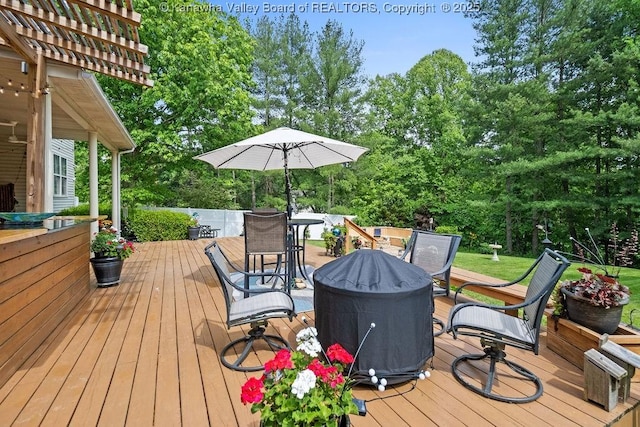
274, 342
495, 353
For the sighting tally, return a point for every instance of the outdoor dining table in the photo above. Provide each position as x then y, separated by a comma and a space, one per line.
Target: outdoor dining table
300, 226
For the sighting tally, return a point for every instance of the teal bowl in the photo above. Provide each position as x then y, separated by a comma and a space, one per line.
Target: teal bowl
26, 216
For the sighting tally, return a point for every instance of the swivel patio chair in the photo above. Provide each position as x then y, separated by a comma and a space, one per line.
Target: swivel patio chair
497, 329
265, 235
434, 253
261, 305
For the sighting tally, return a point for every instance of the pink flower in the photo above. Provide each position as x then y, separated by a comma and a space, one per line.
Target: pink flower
337, 353
282, 360
252, 391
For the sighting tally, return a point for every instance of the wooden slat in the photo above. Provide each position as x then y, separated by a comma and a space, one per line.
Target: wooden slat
146, 352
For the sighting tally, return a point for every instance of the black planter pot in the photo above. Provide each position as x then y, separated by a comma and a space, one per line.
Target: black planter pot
107, 270
194, 233
601, 320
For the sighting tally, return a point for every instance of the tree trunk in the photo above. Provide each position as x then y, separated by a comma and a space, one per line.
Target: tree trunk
508, 219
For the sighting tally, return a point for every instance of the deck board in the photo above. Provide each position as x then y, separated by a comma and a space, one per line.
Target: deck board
146, 353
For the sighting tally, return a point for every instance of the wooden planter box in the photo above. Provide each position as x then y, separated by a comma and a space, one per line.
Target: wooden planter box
571, 340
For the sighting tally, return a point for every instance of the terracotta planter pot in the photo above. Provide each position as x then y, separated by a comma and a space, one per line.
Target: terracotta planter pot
600, 319
107, 270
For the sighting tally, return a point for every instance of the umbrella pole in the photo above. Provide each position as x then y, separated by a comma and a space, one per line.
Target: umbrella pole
287, 181
291, 264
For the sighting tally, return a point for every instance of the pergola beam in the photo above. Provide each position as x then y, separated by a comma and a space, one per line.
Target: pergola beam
69, 24
97, 35
9, 34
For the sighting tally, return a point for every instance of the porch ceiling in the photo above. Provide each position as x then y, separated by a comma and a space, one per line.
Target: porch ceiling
78, 104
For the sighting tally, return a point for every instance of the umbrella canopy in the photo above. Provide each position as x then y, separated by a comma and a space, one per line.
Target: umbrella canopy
283, 148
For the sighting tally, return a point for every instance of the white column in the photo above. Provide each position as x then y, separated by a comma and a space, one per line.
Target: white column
93, 179
115, 190
48, 156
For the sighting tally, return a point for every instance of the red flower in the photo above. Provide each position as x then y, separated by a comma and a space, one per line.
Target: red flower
325, 373
607, 279
337, 353
282, 360
251, 391
337, 380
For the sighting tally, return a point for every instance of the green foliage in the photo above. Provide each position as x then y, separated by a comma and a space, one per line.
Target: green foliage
330, 238
149, 226
447, 229
332, 84
200, 64
83, 209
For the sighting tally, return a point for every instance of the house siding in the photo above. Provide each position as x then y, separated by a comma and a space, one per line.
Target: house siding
64, 149
13, 170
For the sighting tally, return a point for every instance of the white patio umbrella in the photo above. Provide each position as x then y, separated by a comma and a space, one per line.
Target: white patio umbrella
283, 148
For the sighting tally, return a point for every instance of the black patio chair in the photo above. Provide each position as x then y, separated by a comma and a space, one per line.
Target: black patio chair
497, 329
265, 237
261, 305
434, 253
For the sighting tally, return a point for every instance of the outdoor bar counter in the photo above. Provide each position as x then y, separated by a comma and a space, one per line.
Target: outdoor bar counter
44, 273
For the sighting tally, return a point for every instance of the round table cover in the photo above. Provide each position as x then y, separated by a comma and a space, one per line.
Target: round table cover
371, 286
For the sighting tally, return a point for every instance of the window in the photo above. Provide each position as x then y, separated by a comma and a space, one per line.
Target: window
59, 176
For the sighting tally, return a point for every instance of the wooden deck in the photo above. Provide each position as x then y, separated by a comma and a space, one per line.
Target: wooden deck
145, 353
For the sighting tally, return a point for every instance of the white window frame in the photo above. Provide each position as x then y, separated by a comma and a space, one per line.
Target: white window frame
60, 176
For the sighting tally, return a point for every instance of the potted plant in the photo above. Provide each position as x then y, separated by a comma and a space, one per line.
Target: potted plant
329, 241
193, 228
305, 387
109, 251
356, 242
594, 301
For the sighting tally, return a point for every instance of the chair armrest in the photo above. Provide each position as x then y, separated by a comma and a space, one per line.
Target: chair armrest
241, 288
482, 284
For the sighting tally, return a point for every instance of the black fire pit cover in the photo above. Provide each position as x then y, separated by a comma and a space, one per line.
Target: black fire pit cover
371, 286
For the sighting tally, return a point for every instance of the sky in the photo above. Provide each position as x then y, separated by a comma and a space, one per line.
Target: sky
396, 34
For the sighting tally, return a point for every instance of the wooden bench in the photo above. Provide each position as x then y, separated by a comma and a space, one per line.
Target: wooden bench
510, 295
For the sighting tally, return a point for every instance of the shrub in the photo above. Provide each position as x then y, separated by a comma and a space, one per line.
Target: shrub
150, 226
447, 229
484, 248
83, 209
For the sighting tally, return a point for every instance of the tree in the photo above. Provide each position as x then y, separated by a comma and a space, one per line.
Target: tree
333, 84
267, 72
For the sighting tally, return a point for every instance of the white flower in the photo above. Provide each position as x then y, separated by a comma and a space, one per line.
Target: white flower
311, 347
306, 333
308, 343
305, 381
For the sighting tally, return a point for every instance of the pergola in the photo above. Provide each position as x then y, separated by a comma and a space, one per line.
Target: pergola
49, 50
